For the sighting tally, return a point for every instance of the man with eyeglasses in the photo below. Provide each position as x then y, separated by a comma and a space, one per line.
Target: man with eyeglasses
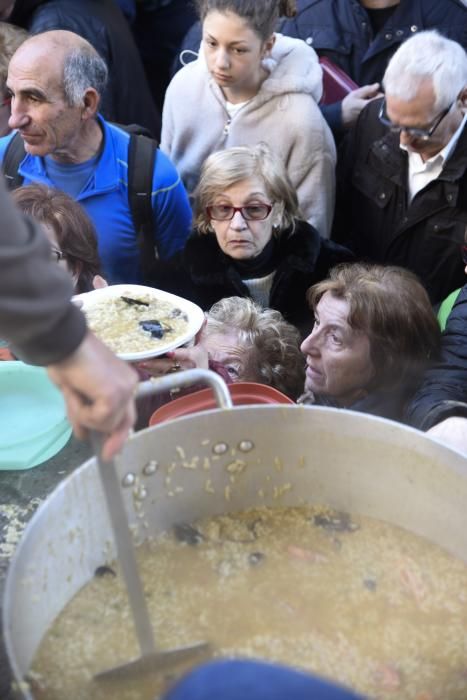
402, 180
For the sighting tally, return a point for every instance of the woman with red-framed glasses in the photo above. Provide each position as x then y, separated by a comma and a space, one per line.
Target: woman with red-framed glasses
249, 239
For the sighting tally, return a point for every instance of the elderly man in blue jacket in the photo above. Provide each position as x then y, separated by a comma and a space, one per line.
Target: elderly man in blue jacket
69, 145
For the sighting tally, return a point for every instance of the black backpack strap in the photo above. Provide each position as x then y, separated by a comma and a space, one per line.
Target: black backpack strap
141, 161
14, 154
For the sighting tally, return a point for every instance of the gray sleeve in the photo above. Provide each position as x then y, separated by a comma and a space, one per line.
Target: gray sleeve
37, 317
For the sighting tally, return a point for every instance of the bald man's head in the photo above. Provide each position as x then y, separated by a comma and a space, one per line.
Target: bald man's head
55, 80
76, 65
58, 41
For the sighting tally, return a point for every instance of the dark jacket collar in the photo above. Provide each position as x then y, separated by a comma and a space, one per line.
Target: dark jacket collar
298, 249
388, 404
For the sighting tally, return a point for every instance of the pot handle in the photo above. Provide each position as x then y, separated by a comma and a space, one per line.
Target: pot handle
187, 378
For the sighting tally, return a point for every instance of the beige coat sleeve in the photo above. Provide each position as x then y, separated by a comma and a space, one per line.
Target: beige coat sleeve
311, 168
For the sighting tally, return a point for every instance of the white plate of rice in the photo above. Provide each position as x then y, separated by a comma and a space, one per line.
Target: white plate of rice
139, 322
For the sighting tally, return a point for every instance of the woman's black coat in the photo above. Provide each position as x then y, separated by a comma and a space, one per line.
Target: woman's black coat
203, 274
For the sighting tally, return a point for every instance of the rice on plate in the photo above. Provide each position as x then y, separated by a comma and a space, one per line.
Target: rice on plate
138, 322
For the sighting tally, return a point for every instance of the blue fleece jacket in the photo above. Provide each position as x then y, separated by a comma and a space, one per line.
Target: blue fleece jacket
105, 199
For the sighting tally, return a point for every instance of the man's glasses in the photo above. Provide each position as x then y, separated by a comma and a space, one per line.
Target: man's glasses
57, 255
423, 134
250, 212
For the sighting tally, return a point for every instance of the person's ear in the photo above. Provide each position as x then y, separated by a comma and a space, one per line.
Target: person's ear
91, 102
99, 282
463, 99
268, 44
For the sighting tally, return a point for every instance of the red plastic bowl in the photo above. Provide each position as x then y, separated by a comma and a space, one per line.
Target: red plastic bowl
242, 393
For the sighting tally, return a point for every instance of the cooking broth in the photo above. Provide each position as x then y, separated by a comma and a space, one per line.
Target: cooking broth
354, 599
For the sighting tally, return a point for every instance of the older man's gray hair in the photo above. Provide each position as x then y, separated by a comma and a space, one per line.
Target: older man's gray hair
83, 68
427, 56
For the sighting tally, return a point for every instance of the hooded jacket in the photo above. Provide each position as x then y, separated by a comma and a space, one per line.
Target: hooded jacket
127, 98
284, 114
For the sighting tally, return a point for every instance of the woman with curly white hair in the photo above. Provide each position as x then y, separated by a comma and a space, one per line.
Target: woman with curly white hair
243, 343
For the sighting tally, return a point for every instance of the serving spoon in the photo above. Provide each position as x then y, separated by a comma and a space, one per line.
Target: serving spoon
150, 659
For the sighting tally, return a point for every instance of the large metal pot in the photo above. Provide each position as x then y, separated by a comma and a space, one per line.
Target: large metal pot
293, 455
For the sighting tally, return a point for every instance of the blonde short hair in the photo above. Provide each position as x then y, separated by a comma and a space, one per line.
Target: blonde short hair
272, 345
223, 169
11, 37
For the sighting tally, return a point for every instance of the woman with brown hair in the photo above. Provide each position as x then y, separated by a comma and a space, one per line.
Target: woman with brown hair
375, 333
70, 231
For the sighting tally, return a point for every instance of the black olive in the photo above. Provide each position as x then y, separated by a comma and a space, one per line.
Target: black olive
188, 534
104, 571
153, 327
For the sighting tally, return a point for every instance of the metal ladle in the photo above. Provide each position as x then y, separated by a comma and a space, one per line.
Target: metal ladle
150, 658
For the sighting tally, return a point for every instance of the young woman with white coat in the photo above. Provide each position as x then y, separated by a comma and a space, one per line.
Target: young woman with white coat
248, 85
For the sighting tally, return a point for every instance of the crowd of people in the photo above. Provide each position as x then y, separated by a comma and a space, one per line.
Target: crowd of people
346, 220
320, 239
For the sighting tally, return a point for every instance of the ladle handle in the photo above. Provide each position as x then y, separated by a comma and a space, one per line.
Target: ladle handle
116, 506
125, 548
187, 378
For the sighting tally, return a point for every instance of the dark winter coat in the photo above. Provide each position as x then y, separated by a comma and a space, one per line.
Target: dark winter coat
444, 389
373, 217
341, 30
388, 403
204, 274
127, 98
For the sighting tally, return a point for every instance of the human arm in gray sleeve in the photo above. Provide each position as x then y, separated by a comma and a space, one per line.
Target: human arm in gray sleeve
44, 327
37, 317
